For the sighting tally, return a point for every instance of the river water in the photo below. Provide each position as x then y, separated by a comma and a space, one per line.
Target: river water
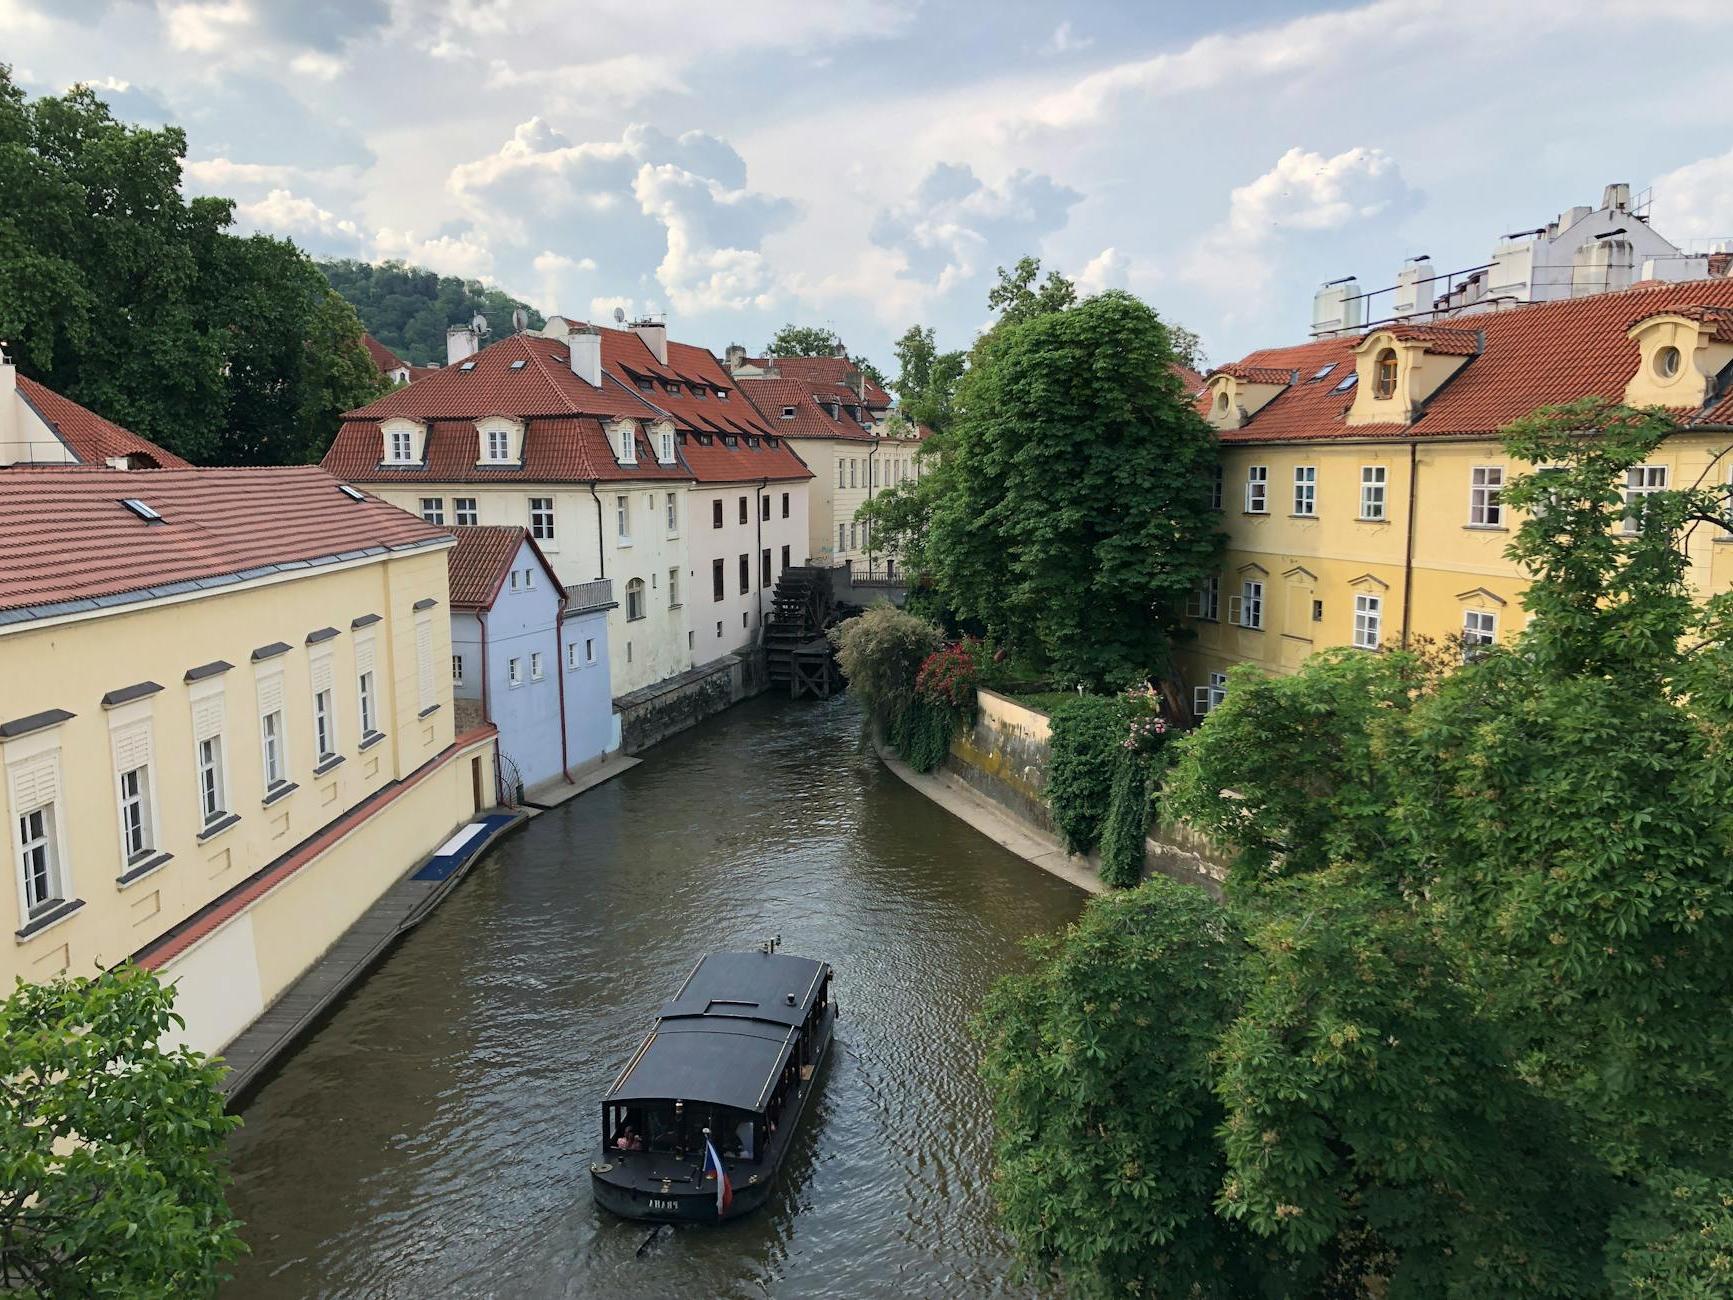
434, 1136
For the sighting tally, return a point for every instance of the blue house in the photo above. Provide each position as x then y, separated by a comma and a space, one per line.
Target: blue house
530, 656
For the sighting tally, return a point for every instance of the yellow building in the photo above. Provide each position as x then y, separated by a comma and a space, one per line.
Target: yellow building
1361, 474
226, 727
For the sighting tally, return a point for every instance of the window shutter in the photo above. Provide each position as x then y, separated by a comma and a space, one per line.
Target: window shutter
1200, 700
35, 782
1234, 609
322, 674
132, 746
364, 656
208, 717
270, 694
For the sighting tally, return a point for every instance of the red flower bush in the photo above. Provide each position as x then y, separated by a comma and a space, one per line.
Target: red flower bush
948, 676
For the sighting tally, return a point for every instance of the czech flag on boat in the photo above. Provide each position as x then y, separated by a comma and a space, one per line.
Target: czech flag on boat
724, 1189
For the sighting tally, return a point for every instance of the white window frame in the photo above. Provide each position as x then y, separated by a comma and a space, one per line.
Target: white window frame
457, 670
1486, 496
136, 822
542, 519
1247, 609
514, 673
209, 701
1374, 489
400, 447
589, 650
665, 446
496, 444
1257, 489
426, 691
1640, 481
1205, 600
433, 510
39, 836
1215, 486
536, 670
1479, 631
635, 595
622, 521
674, 588
571, 656
132, 745
324, 724
1306, 491
273, 749
464, 512
1368, 620
673, 508
366, 686
626, 444
1205, 698
213, 792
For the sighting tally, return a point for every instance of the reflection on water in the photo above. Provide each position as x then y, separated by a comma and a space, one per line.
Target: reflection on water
434, 1137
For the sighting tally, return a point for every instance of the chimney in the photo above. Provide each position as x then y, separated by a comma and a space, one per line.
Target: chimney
461, 343
9, 404
655, 336
1617, 196
1413, 286
1337, 307
840, 350
735, 356
586, 355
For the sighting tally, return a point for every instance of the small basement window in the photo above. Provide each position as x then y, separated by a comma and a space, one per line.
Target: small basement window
140, 509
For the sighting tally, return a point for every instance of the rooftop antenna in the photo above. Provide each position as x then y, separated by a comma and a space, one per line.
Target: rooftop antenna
520, 320
478, 323
619, 315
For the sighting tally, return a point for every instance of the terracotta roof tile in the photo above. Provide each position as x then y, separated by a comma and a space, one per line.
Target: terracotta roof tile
557, 449
383, 357
1187, 376
1440, 339
67, 537
805, 399
1530, 356
828, 370
88, 436
1256, 374
479, 562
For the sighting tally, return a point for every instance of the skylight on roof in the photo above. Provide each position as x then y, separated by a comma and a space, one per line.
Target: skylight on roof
467, 365
788, 412
354, 494
140, 509
1347, 382
518, 364
1322, 371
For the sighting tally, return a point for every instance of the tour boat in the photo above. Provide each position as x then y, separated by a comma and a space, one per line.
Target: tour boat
698, 1123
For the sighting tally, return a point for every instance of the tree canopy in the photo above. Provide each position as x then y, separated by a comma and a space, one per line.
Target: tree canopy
817, 341
1474, 1035
112, 1165
1070, 505
1021, 296
926, 382
124, 296
409, 308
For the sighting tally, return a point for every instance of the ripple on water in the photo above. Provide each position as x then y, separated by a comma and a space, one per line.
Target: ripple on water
434, 1136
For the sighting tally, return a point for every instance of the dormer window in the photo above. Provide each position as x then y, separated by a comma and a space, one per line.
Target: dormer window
670, 388
1222, 401
498, 444
626, 445
665, 446
788, 412
1384, 374
404, 439
722, 394
1667, 361
499, 441
645, 385
401, 447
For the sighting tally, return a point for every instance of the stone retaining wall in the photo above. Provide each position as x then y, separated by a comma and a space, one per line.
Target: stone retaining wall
1005, 757
656, 712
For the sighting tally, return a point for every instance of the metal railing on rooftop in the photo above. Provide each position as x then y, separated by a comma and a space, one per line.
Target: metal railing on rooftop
595, 594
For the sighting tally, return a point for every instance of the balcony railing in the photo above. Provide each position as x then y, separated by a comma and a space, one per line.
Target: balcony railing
596, 594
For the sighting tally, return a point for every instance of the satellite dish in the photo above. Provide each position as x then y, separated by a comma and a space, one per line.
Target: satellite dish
520, 320
479, 323
619, 315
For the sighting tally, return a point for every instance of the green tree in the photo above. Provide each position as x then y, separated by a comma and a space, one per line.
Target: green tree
926, 382
409, 308
138, 303
1072, 512
1018, 297
1099, 1062
880, 653
816, 341
112, 1169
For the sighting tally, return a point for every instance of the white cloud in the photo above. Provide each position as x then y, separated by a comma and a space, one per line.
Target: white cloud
221, 174
1695, 202
602, 309
284, 213
461, 255
205, 27
1303, 192
1108, 269
318, 65
623, 81
1066, 41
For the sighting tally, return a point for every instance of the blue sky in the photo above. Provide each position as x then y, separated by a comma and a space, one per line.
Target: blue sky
866, 164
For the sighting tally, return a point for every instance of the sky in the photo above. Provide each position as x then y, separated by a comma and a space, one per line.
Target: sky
867, 164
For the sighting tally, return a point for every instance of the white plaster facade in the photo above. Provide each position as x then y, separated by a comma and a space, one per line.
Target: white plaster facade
746, 533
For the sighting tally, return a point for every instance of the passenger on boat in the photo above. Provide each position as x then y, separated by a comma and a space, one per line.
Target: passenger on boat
743, 1136
629, 1140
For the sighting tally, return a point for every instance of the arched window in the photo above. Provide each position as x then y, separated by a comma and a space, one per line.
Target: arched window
1384, 374
634, 599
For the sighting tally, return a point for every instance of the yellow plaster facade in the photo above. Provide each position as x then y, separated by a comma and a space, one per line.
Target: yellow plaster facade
1361, 541
265, 867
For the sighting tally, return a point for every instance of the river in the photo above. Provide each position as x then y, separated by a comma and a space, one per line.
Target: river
433, 1137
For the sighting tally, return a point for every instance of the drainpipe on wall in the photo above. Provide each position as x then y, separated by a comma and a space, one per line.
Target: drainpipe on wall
560, 673
758, 559
1408, 550
486, 702
871, 452
601, 561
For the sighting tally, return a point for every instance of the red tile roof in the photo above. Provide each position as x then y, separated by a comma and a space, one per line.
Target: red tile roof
88, 436
1256, 374
67, 537
1442, 340
806, 399
1187, 376
383, 357
836, 371
530, 378
1529, 356
478, 564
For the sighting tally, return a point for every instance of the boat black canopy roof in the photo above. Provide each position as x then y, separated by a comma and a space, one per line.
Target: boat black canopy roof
727, 1034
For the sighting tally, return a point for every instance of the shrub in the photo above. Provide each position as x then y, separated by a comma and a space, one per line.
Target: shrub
927, 729
1088, 735
880, 653
949, 675
1127, 822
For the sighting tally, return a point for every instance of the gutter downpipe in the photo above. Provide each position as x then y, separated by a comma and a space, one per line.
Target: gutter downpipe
871, 468
758, 560
1408, 550
486, 701
601, 562
560, 675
